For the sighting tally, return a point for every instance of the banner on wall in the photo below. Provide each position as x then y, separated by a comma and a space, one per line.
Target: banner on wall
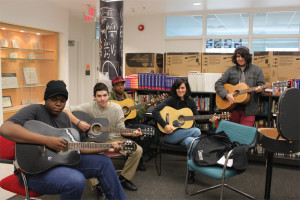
111, 38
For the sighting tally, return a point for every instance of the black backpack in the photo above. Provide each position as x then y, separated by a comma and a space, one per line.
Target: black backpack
212, 146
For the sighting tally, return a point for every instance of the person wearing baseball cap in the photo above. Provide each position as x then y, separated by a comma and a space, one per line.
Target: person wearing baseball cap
69, 181
246, 73
118, 95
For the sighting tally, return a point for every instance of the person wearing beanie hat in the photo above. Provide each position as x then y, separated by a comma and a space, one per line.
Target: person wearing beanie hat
68, 181
118, 94
55, 87
242, 72
101, 107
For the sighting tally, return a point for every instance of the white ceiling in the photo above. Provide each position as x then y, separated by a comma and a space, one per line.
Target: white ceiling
148, 7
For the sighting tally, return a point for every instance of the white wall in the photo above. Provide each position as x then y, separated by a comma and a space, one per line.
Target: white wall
42, 15
84, 34
151, 40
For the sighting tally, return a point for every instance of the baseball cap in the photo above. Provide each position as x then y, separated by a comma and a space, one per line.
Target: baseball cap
117, 79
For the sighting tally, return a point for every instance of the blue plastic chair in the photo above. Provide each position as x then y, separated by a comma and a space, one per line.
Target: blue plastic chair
236, 132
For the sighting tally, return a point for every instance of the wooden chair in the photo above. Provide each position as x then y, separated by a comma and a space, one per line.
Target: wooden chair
11, 183
236, 132
286, 137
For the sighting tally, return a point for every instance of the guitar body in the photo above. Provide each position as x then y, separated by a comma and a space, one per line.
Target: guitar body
126, 104
175, 118
224, 104
34, 159
94, 134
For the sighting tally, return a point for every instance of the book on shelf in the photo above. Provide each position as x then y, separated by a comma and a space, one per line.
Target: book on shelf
30, 75
15, 44
9, 80
3, 42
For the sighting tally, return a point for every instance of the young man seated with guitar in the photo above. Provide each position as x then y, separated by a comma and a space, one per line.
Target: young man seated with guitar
236, 77
68, 181
133, 119
179, 100
101, 107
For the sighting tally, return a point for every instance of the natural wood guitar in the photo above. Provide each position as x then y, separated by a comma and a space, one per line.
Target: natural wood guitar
183, 118
241, 95
129, 109
33, 158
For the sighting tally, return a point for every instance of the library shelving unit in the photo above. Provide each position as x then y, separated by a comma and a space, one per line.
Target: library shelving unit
29, 59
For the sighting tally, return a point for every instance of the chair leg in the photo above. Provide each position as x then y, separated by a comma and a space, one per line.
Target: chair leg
239, 191
26, 186
158, 153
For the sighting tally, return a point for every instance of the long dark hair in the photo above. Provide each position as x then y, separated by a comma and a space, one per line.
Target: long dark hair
177, 84
244, 52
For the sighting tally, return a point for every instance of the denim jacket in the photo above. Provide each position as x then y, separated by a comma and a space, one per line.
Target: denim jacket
254, 77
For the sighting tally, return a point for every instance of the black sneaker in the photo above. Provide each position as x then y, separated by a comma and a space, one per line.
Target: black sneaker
100, 193
191, 177
126, 184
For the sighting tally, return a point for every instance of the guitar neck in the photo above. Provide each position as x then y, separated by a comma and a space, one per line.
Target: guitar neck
195, 117
139, 105
118, 130
89, 145
252, 89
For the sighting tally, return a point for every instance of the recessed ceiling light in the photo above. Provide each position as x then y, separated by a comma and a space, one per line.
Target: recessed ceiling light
38, 33
197, 4
3, 28
22, 31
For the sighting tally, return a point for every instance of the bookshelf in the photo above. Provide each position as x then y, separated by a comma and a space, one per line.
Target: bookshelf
29, 60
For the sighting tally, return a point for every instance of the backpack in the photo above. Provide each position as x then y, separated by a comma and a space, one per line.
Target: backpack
211, 148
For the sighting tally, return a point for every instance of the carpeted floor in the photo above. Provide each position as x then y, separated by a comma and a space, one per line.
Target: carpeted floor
170, 185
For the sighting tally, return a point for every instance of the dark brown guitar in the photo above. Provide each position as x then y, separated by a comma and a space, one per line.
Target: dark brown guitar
100, 129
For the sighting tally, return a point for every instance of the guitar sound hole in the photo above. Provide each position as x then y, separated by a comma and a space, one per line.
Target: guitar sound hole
96, 129
125, 110
181, 118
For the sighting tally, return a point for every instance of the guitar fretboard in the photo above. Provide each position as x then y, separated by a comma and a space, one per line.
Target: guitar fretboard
252, 89
195, 117
89, 145
118, 130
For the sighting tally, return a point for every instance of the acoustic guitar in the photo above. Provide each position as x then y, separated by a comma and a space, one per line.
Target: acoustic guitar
33, 158
99, 130
129, 109
241, 94
183, 118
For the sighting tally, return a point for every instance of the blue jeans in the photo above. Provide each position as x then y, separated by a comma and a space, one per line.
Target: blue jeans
183, 137
69, 181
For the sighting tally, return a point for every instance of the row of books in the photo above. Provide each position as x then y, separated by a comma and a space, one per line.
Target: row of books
282, 86
203, 103
150, 81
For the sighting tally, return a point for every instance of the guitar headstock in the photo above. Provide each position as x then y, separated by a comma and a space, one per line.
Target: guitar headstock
162, 97
280, 84
128, 146
148, 132
225, 115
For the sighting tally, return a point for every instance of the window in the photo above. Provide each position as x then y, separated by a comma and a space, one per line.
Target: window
184, 25
228, 24
275, 44
276, 23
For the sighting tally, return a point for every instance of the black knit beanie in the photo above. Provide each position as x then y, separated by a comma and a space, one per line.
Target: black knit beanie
54, 88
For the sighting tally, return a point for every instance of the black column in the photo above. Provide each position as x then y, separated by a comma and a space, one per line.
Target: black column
111, 38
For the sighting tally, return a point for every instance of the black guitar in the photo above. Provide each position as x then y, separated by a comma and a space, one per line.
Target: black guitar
100, 129
33, 159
